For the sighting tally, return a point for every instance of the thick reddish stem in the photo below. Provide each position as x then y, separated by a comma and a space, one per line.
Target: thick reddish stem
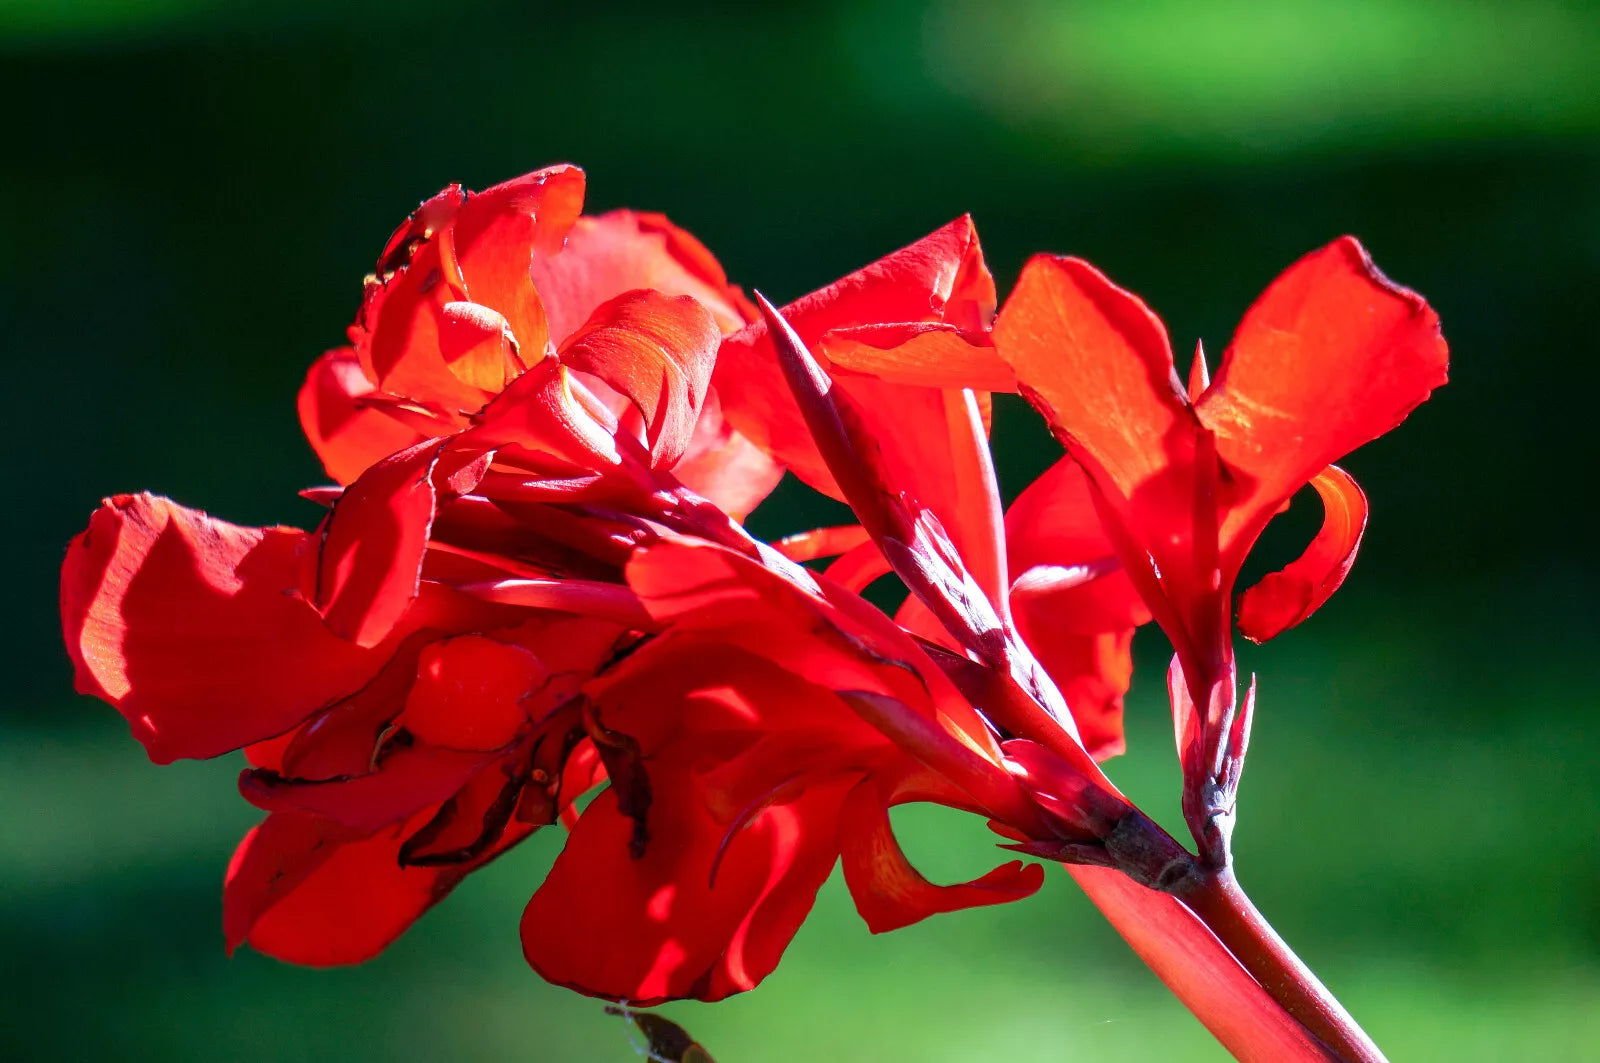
1219, 902
1200, 971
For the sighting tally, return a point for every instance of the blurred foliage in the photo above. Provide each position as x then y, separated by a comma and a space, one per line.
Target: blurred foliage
197, 186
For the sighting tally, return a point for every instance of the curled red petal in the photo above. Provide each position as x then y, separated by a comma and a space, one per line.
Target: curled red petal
405, 781
658, 351
497, 234
1285, 598
822, 542
1332, 355
479, 347
370, 562
194, 629
348, 433
397, 336
553, 416
890, 893
858, 567
668, 933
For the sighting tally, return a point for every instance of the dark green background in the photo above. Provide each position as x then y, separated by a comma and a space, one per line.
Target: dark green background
193, 189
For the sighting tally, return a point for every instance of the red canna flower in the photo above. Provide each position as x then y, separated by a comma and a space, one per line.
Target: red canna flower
518, 600
533, 583
1331, 356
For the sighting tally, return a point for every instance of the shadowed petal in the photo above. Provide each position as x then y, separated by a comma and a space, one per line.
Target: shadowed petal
348, 434
657, 928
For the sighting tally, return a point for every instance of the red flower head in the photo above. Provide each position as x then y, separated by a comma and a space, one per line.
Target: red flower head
1331, 356
515, 599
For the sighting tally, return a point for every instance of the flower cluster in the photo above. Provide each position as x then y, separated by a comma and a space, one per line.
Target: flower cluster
533, 583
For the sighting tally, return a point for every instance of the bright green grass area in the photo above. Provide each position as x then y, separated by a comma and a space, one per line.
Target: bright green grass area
1421, 829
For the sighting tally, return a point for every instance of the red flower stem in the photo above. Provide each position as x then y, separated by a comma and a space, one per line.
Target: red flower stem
1223, 906
1200, 971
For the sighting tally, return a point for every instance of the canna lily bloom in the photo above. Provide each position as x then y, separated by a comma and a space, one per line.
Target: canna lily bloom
476, 289
1332, 355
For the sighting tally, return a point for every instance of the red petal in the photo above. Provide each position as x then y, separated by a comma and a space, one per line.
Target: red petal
837, 641
920, 355
194, 630
499, 232
475, 817
889, 892
822, 542
940, 279
479, 347
272, 859
1053, 523
299, 890
1331, 356
654, 929
469, 691
658, 351
345, 739
551, 414
621, 251
347, 434
1285, 598
374, 538
1096, 363
406, 780
475, 250
397, 336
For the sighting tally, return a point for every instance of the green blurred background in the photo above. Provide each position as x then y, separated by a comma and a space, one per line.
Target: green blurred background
194, 189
